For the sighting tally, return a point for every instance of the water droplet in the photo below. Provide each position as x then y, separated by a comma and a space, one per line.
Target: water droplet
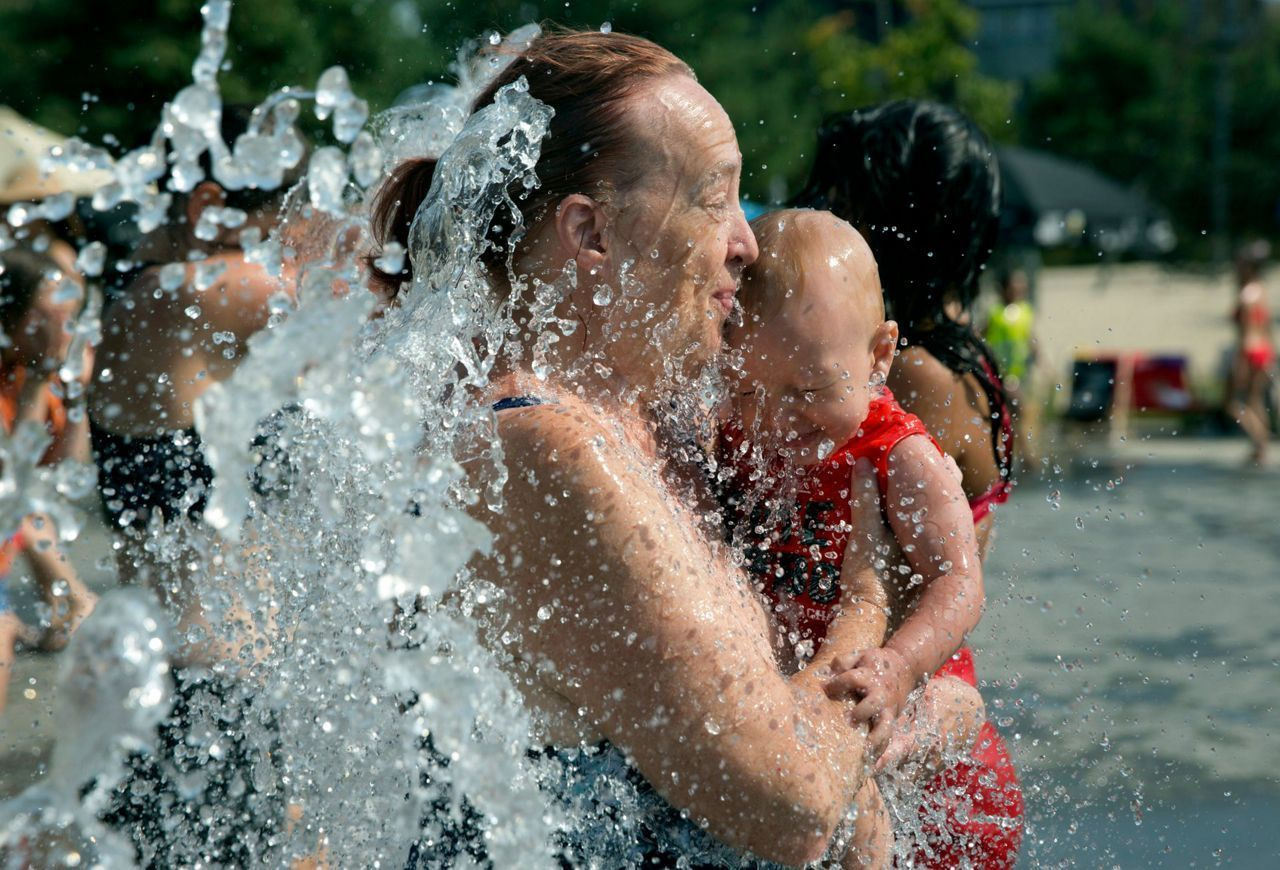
327, 179
208, 272
91, 259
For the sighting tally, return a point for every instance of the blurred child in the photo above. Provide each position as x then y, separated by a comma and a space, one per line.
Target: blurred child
1010, 331
34, 310
816, 351
1010, 334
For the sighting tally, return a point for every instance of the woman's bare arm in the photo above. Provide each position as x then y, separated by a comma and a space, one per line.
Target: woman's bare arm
632, 617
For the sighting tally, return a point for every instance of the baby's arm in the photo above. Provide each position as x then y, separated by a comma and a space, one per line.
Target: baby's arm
932, 522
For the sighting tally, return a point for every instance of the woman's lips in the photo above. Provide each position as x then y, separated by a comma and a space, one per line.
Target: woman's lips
725, 298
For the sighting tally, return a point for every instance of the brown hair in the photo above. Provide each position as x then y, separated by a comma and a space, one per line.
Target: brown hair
586, 77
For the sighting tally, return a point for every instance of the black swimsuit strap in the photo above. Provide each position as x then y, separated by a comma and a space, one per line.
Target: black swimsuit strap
517, 402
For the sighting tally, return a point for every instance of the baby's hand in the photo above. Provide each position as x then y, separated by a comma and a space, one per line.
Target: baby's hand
879, 680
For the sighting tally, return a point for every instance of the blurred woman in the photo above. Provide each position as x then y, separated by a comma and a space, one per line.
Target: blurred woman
1255, 356
179, 326
37, 299
921, 183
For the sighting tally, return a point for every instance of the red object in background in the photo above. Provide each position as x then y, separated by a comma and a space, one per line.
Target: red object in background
1160, 383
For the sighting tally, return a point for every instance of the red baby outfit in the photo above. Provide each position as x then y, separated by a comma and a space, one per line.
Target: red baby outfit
797, 562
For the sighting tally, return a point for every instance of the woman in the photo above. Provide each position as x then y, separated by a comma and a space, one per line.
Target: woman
920, 181
1255, 357
179, 326
658, 676
34, 312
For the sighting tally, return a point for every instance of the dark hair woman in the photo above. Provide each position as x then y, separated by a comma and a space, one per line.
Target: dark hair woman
921, 183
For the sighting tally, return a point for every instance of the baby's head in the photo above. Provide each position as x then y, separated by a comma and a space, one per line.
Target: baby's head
815, 344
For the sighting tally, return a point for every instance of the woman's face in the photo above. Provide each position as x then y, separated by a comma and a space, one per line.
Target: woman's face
681, 227
41, 339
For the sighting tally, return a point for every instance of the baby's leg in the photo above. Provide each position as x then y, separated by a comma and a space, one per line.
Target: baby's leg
871, 841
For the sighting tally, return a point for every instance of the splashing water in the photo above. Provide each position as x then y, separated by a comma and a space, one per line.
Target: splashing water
336, 586
115, 690
357, 514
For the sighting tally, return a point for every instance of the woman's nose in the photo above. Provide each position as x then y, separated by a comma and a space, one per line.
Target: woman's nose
743, 249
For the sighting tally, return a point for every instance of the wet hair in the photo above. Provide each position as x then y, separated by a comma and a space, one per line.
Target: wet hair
921, 182
22, 271
586, 77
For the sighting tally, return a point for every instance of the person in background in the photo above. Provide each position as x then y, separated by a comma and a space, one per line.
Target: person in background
179, 325
920, 181
1010, 333
36, 303
1253, 364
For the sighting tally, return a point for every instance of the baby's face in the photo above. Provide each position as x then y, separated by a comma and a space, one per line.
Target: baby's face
807, 371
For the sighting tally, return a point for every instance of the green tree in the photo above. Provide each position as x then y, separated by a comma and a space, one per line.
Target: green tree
1133, 93
99, 72
109, 73
925, 58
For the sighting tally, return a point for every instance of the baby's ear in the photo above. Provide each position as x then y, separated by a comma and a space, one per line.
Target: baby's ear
884, 345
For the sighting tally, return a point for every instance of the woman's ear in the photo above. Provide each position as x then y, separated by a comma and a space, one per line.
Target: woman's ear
884, 346
580, 224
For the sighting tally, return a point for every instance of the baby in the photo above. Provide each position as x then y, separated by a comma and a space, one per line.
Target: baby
812, 408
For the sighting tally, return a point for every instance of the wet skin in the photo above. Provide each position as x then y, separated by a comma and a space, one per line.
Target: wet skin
654, 638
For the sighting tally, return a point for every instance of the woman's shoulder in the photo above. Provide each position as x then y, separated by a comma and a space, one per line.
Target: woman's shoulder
554, 428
